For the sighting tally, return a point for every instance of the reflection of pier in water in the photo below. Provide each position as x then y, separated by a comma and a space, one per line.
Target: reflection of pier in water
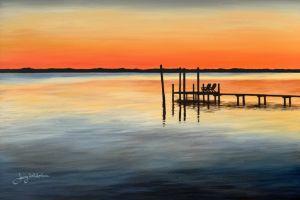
180, 109
203, 96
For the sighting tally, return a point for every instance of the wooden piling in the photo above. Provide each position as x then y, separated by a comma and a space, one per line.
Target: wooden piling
290, 101
284, 101
259, 103
172, 93
198, 83
244, 100
237, 100
265, 100
203, 95
179, 85
184, 95
219, 92
162, 86
163, 92
184, 87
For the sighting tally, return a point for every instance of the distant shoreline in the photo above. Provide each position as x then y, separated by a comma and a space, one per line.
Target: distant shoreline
123, 70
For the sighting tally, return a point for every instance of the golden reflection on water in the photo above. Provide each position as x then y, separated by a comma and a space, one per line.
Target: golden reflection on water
92, 96
134, 99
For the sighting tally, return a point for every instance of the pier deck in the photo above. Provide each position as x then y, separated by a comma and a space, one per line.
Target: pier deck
239, 94
285, 97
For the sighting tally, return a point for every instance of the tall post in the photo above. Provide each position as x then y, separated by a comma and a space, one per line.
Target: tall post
163, 92
203, 95
219, 96
198, 96
198, 83
258, 100
184, 95
184, 86
284, 101
237, 100
244, 100
290, 101
179, 85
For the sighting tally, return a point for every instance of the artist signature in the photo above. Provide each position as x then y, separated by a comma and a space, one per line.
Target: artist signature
26, 177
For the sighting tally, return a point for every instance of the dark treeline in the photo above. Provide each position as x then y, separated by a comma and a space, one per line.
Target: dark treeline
123, 70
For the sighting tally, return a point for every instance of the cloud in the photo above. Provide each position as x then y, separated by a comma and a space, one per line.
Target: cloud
145, 3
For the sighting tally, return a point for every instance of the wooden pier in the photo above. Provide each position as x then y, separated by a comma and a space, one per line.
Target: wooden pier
239, 96
209, 90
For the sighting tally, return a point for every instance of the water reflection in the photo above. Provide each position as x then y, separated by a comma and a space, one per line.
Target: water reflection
195, 106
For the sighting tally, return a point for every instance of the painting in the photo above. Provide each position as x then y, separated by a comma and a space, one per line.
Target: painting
149, 99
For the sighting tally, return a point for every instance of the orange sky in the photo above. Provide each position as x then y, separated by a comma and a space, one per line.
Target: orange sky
133, 37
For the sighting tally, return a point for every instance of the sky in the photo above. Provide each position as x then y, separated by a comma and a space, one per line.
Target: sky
147, 33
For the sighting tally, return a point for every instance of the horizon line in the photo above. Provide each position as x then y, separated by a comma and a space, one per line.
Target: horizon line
121, 69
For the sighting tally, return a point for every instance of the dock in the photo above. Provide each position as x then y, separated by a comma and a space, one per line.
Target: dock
240, 97
210, 93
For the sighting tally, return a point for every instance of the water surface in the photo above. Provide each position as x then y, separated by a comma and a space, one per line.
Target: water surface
101, 136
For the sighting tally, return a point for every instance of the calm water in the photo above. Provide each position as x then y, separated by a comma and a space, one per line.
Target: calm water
101, 136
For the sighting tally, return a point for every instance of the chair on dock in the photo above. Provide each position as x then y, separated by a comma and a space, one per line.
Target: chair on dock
207, 88
213, 87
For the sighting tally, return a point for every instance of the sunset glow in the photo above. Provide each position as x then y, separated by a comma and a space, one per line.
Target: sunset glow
113, 36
